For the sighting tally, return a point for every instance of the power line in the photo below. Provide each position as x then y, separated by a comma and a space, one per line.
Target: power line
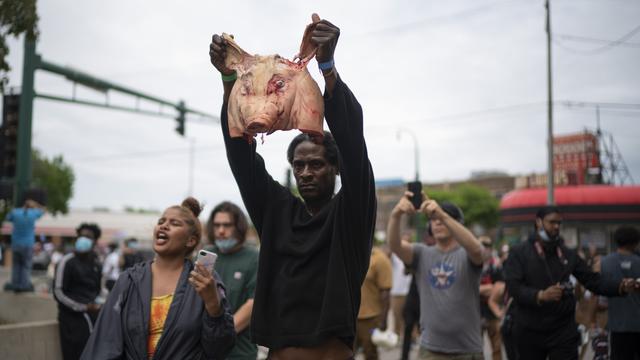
610, 45
458, 15
144, 154
594, 40
569, 104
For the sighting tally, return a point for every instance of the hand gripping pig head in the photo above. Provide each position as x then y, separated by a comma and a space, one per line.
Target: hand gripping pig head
273, 93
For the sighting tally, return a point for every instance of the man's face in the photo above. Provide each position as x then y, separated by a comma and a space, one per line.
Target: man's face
439, 230
315, 176
223, 226
551, 224
87, 233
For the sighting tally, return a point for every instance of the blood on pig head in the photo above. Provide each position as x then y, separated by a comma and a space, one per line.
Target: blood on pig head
273, 93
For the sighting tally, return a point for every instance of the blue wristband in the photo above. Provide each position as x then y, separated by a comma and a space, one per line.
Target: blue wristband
326, 65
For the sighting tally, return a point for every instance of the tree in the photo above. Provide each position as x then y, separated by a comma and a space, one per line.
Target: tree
477, 203
56, 178
16, 17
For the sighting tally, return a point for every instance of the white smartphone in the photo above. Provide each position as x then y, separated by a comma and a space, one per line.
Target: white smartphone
207, 259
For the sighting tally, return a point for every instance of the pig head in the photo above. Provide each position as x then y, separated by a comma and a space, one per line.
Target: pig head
273, 93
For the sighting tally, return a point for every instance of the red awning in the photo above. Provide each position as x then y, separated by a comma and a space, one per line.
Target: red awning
573, 195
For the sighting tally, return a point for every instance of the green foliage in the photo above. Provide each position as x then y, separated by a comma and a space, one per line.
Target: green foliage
56, 178
16, 17
477, 203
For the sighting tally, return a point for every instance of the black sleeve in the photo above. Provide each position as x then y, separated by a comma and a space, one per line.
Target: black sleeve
345, 120
218, 333
594, 281
514, 274
106, 340
247, 166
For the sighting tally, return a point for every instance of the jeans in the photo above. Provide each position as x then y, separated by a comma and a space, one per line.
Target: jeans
21, 267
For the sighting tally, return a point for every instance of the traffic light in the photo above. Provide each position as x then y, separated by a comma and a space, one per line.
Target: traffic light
9, 136
180, 119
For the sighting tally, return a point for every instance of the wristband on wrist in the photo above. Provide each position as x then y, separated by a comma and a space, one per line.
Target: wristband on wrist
331, 72
229, 78
326, 65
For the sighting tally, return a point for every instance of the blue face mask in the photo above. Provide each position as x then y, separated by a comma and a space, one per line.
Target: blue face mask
226, 244
83, 244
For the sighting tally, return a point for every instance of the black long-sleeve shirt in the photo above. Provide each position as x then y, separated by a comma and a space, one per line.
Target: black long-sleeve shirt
526, 274
77, 282
311, 267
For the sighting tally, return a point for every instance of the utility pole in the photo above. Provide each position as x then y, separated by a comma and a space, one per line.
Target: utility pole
23, 161
32, 62
550, 175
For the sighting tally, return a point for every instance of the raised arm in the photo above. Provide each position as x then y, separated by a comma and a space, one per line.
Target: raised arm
402, 249
463, 236
247, 166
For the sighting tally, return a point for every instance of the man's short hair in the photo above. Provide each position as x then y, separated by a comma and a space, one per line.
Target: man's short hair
546, 210
93, 227
625, 236
453, 210
237, 216
331, 152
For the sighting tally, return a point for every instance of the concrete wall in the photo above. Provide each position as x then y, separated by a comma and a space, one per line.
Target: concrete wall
37, 340
29, 327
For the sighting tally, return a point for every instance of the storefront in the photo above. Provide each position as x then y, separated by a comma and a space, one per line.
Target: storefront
591, 213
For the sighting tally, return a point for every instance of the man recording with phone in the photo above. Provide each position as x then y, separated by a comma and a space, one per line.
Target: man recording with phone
448, 279
537, 276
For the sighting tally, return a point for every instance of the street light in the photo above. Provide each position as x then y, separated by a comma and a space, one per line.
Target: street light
416, 157
416, 151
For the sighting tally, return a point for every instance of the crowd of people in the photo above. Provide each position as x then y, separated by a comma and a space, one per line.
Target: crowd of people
318, 287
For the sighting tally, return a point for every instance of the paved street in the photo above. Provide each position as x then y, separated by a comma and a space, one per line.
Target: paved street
40, 282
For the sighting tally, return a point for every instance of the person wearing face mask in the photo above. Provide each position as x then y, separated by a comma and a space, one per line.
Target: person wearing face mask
537, 275
237, 265
129, 254
76, 285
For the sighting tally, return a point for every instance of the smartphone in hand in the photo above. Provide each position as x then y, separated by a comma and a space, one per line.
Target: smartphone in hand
207, 259
416, 188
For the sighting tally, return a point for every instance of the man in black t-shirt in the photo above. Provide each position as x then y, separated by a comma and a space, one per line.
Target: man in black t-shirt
314, 250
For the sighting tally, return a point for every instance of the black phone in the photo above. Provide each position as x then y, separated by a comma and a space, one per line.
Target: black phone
416, 188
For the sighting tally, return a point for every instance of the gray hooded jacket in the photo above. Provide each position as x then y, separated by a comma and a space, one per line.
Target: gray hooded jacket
189, 332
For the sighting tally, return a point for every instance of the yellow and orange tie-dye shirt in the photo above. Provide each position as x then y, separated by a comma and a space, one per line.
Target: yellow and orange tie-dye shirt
159, 310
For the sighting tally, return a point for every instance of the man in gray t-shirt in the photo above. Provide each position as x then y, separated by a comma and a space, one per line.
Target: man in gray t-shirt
448, 279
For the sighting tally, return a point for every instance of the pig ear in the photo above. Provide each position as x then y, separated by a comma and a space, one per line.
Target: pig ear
307, 48
237, 59
307, 110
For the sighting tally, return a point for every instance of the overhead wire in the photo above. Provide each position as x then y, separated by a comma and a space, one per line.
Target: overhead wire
610, 45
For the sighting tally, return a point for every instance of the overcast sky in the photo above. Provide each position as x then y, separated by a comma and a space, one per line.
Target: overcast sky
411, 64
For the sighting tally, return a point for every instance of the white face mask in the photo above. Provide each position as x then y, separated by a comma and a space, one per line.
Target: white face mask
544, 236
226, 244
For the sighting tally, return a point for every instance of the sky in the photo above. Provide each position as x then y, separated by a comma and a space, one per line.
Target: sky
465, 81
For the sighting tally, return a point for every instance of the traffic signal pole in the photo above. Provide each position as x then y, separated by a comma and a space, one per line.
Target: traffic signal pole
33, 62
23, 161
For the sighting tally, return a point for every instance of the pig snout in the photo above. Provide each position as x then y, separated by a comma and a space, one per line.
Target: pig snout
261, 118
